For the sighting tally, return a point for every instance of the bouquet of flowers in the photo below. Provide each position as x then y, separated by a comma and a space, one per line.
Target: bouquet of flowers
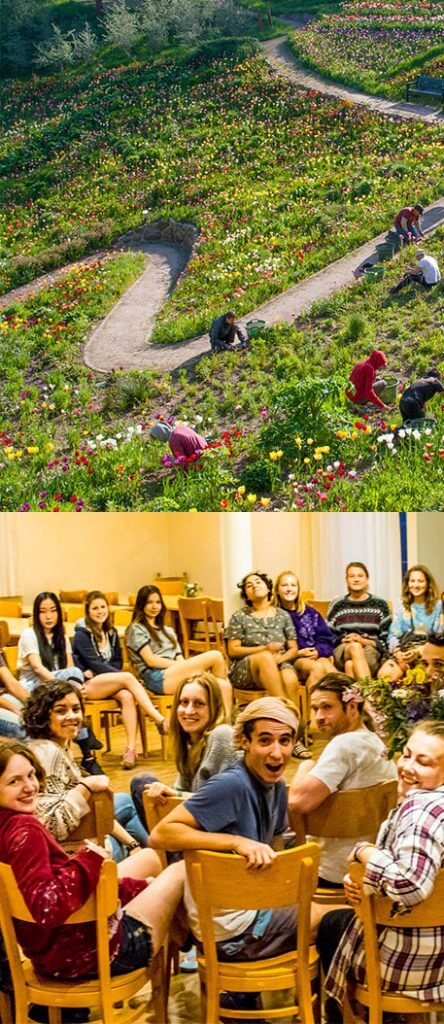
396, 709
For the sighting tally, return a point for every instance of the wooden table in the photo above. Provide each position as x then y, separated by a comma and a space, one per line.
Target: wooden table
17, 627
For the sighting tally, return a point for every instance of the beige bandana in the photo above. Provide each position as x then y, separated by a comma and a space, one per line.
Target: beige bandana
266, 707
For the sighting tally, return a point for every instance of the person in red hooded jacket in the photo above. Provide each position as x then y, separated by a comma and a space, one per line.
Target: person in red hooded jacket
363, 377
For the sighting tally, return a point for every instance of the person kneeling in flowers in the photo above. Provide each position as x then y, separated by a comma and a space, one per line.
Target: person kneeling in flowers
223, 331
363, 377
183, 441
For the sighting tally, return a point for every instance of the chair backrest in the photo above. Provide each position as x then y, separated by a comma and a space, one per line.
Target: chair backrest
122, 616
10, 655
4, 634
220, 880
99, 907
11, 607
155, 811
307, 595
171, 584
73, 596
74, 612
379, 910
99, 821
215, 607
194, 610
321, 606
347, 814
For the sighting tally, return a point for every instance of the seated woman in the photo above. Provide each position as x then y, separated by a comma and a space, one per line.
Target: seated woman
262, 642
416, 617
402, 864
52, 718
314, 638
155, 652
12, 696
55, 885
200, 738
97, 652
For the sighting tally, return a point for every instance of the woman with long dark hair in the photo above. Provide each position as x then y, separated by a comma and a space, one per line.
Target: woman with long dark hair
415, 618
155, 652
97, 652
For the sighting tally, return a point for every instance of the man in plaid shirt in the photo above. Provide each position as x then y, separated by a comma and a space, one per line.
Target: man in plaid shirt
403, 864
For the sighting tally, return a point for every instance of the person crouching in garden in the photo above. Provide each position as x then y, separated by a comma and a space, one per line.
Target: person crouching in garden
407, 222
183, 441
425, 273
363, 377
223, 331
414, 398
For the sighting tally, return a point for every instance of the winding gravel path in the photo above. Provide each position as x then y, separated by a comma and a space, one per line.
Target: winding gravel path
122, 338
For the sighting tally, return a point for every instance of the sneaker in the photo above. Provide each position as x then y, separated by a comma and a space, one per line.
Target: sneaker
188, 963
129, 759
91, 766
300, 752
94, 743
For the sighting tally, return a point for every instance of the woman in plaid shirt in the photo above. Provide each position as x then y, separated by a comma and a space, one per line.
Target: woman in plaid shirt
403, 864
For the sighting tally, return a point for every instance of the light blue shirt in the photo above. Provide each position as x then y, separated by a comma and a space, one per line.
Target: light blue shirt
419, 619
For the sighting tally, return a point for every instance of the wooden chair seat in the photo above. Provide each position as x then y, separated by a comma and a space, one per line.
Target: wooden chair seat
11, 608
10, 655
4, 634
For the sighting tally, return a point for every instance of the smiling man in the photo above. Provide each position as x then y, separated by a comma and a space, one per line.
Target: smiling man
242, 810
433, 658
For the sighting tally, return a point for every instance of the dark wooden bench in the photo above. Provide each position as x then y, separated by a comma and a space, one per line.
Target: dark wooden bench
427, 86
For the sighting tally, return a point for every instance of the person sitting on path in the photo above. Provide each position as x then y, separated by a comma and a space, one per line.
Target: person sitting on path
363, 377
262, 642
243, 810
354, 758
408, 224
415, 618
426, 273
402, 864
201, 741
156, 655
360, 622
97, 652
314, 638
55, 885
223, 331
184, 442
414, 398
52, 718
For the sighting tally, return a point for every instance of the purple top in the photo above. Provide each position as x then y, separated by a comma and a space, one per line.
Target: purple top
312, 631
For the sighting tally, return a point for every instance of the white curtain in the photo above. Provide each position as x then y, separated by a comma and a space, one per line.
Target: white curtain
9, 555
333, 539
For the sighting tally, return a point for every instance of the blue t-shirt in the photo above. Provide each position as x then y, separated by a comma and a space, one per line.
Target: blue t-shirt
237, 803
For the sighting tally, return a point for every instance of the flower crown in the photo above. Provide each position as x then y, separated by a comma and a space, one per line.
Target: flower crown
352, 693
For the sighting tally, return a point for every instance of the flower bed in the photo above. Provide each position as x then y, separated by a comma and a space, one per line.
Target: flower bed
279, 182
379, 45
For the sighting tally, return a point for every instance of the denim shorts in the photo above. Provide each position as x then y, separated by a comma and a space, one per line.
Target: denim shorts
153, 680
135, 948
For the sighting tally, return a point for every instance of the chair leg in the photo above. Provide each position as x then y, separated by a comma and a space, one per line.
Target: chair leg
159, 988
54, 1015
142, 727
107, 732
5, 1009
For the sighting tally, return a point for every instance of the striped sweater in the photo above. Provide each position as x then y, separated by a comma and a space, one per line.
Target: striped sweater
370, 618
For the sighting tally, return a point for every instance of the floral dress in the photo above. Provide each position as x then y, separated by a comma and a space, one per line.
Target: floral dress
254, 631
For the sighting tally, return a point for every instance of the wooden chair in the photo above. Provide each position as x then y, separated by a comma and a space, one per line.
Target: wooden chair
74, 612
375, 911
243, 697
72, 596
11, 608
171, 584
122, 617
347, 814
222, 880
194, 625
321, 606
155, 812
215, 606
4, 634
10, 655
163, 703
106, 706
103, 991
97, 824
307, 595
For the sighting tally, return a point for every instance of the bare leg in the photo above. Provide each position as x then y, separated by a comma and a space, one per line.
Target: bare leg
156, 905
208, 661
390, 670
355, 652
143, 864
348, 668
314, 669
109, 684
129, 716
318, 911
290, 684
266, 673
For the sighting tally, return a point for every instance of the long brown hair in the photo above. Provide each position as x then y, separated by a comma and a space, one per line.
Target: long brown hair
188, 756
96, 630
431, 595
139, 613
300, 604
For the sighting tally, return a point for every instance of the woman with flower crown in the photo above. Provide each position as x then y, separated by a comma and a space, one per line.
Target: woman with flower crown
354, 758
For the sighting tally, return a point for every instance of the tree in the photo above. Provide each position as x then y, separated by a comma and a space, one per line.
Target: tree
121, 26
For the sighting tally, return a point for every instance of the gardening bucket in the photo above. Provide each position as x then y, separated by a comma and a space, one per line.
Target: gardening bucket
255, 327
375, 273
385, 251
395, 240
423, 424
389, 393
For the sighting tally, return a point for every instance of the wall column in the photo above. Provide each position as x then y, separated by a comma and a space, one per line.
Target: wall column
236, 555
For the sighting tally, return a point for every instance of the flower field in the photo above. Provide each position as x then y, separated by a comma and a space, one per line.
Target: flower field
378, 45
278, 181
281, 434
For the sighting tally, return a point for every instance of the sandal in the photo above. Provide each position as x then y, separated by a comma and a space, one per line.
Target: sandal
129, 759
162, 727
